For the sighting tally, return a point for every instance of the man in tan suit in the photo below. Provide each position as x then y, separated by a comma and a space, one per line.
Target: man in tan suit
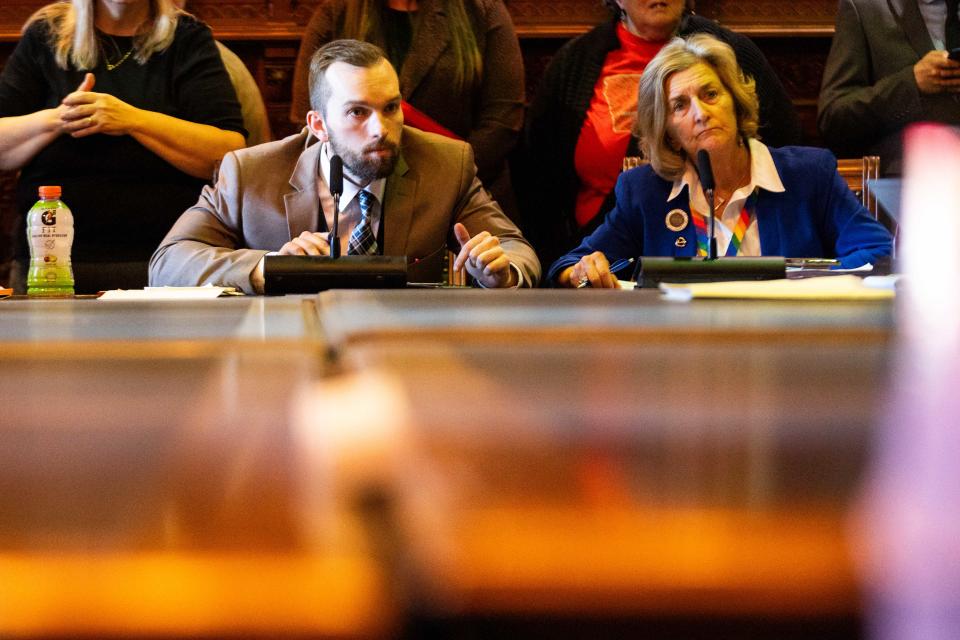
406, 192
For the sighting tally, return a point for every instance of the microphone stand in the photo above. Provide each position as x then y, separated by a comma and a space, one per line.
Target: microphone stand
705, 169
712, 232
333, 238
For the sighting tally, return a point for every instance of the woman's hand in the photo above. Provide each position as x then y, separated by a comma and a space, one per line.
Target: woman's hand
191, 147
23, 137
593, 269
86, 112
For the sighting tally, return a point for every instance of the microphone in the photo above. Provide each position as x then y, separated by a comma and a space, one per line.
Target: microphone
705, 169
336, 190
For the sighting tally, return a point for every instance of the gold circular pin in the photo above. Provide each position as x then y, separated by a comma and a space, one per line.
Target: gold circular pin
680, 242
677, 220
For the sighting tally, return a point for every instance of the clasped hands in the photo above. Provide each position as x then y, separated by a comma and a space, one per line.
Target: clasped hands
481, 255
84, 112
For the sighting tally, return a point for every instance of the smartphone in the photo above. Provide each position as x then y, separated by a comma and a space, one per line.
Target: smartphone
954, 54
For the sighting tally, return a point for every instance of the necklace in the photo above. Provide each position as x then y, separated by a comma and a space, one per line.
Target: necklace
106, 59
719, 203
720, 200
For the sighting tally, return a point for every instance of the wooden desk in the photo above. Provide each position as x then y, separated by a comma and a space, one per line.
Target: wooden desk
176, 470
609, 454
553, 315
73, 324
149, 483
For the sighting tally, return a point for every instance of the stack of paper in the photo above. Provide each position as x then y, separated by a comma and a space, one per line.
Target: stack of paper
827, 288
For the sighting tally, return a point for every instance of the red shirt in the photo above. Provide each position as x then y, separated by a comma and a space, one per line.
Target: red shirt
606, 131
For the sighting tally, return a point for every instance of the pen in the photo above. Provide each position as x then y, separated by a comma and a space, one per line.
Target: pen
616, 266
620, 264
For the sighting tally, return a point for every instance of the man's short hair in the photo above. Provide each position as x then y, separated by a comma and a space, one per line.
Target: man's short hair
352, 52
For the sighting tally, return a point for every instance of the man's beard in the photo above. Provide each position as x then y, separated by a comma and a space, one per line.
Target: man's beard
368, 168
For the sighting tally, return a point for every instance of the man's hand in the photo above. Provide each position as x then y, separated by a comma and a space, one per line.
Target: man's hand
593, 269
87, 113
936, 73
483, 258
308, 243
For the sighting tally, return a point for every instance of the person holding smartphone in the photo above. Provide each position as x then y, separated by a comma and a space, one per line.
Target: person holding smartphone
892, 63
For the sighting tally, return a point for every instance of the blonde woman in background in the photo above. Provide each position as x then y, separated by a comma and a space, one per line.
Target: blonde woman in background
127, 106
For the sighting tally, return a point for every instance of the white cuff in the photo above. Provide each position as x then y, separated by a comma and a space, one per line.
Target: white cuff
516, 270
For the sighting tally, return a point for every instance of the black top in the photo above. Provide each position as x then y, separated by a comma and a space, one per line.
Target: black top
124, 198
545, 176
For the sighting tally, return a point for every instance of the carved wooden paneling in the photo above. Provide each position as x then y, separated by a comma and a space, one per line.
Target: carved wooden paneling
535, 18
300, 12
800, 74
231, 12
284, 19
772, 17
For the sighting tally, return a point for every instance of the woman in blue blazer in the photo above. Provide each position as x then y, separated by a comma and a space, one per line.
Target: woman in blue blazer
781, 202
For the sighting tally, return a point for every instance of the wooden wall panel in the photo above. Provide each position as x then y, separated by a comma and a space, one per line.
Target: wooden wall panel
256, 19
794, 35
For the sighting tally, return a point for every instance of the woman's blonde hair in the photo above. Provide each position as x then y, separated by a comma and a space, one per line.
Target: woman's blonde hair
363, 20
74, 39
653, 113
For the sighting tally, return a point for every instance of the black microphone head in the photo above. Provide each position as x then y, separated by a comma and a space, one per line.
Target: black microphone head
705, 169
336, 175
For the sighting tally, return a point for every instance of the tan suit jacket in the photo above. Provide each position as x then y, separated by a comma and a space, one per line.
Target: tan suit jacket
267, 195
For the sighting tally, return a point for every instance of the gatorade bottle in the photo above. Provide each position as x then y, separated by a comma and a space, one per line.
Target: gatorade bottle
50, 235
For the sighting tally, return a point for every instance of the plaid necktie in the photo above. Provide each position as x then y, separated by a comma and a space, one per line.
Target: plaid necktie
362, 241
951, 28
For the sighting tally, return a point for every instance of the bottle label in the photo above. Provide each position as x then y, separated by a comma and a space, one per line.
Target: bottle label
50, 232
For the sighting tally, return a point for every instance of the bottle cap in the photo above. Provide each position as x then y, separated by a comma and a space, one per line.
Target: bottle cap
50, 192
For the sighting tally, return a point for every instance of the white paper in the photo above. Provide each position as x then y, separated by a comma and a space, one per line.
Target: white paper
207, 292
827, 288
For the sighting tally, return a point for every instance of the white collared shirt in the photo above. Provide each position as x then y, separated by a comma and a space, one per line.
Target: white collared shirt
934, 14
349, 205
763, 175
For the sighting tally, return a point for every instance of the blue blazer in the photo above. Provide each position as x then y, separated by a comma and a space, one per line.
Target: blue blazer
817, 216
